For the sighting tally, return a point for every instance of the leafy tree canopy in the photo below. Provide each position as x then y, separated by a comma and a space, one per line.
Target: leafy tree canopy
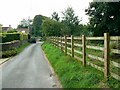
55, 16
53, 28
70, 20
104, 17
37, 22
24, 23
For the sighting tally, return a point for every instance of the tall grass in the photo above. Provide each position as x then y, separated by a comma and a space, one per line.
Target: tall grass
71, 72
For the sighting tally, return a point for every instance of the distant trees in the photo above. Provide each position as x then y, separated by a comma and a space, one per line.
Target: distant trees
36, 27
71, 21
55, 16
50, 28
69, 25
104, 17
37, 22
24, 23
86, 30
53, 28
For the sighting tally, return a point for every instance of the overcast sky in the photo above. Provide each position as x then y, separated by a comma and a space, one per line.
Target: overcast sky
13, 11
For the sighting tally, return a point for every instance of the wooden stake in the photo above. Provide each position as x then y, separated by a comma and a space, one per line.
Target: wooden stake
66, 45
72, 45
84, 49
106, 56
61, 42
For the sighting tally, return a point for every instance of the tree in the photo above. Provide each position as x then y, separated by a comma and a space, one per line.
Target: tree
24, 23
55, 16
104, 17
51, 27
86, 30
37, 22
70, 20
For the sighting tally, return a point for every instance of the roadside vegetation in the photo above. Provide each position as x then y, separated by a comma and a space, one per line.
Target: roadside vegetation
10, 53
12, 43
104, 17
72, 74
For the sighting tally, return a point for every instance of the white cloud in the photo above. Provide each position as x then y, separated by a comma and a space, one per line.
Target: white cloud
13, 11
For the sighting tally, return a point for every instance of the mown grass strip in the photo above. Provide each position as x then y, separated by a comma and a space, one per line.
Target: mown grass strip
71, 72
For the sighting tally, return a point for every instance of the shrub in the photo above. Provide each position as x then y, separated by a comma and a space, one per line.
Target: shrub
12, 31
43, 38
8, 37
32, 40
9, 53
115, 45
23, 36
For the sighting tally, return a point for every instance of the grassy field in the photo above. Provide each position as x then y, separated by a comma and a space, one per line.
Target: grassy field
72, 74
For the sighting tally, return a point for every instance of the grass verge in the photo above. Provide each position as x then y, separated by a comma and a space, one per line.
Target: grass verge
71, 72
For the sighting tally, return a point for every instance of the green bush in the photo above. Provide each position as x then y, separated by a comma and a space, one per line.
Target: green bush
32, 40
43, 38
9, 53
115, 45
23, 36
15, 51
12, 31
8, 37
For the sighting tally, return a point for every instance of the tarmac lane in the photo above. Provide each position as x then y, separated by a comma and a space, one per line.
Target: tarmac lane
29, 69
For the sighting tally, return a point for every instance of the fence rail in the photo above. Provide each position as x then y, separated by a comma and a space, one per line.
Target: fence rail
68, 45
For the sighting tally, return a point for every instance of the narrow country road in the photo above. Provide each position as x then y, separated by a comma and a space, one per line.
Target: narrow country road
29, 69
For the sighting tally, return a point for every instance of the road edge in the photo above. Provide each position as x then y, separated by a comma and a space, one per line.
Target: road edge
52, 70
5, 61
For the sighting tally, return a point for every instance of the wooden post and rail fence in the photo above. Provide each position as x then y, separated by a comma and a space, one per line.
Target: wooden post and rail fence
62, 43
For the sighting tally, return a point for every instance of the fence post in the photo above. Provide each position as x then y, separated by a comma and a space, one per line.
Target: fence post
48, 39
72, 45
51, 39
106, 56
65, 44
54, 40
61, 42
84, 49
58, 42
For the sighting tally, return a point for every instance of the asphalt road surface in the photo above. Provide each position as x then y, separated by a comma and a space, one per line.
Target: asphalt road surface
29, 69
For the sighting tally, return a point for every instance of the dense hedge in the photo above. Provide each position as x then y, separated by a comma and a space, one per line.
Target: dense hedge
23, 36
9, 53
8, 37
13, 52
